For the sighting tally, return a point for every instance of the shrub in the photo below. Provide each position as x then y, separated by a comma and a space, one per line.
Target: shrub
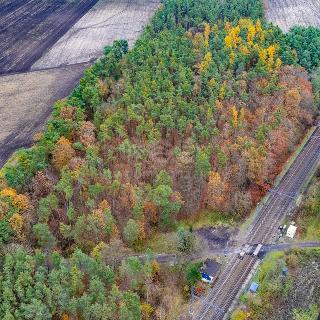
186, 240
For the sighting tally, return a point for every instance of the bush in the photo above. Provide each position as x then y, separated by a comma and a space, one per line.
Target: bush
238, 315
131, 232
292, 260
186, 240
192, 273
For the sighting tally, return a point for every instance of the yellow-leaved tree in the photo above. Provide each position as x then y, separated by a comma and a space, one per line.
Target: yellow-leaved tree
62, 153
206, 33
235, 119
17, 223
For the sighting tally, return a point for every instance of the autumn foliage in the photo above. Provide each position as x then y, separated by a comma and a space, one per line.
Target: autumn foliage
137, 159
201, 114
62, 153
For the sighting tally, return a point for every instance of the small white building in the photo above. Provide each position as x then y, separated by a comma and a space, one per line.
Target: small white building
291, 231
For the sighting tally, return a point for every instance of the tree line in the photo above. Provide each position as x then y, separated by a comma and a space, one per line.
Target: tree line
198, 115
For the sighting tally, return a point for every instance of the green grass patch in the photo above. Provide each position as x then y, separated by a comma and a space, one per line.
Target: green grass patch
272, 264
312, 228
208, 218
160, 243
308, 217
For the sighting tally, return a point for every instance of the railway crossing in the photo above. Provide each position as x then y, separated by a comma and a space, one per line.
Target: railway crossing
279, 204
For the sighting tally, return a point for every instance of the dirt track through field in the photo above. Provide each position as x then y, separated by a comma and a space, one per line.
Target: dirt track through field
25, 103
288, 13
29, 27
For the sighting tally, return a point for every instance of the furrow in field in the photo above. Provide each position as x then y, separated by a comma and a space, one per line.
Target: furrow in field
105, 22
288, 13
25, 103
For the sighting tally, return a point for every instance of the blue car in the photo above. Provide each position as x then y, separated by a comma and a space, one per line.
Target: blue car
206, 278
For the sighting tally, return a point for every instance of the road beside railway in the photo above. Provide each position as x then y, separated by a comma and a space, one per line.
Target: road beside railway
279, 204
171, 258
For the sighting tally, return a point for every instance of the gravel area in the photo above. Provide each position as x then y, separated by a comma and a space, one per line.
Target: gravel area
218, 237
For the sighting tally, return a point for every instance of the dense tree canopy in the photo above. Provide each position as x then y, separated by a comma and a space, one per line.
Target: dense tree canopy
43, 286
306, 43
201, 113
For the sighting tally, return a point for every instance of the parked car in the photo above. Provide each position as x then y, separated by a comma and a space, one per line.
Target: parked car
206, 278
210, 271
245, 250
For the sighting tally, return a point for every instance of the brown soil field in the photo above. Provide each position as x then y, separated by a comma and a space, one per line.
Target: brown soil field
288, 13
107, 21
29, 27
26, 99
25, 103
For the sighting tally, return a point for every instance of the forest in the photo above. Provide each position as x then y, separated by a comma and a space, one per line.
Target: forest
201, 114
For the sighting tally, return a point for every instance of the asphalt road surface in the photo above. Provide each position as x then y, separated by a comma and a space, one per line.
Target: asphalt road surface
171, 258
279, 204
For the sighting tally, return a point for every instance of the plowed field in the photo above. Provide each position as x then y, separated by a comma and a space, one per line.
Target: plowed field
29, 27
288, 13
107, 21
25, 103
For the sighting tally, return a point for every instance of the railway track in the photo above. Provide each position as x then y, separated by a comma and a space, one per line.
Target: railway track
279, 204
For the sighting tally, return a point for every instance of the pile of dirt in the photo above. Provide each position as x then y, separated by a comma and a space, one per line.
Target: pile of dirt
218, 237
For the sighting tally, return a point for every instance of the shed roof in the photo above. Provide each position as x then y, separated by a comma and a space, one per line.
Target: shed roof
291, 231
254, 287
211, 267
